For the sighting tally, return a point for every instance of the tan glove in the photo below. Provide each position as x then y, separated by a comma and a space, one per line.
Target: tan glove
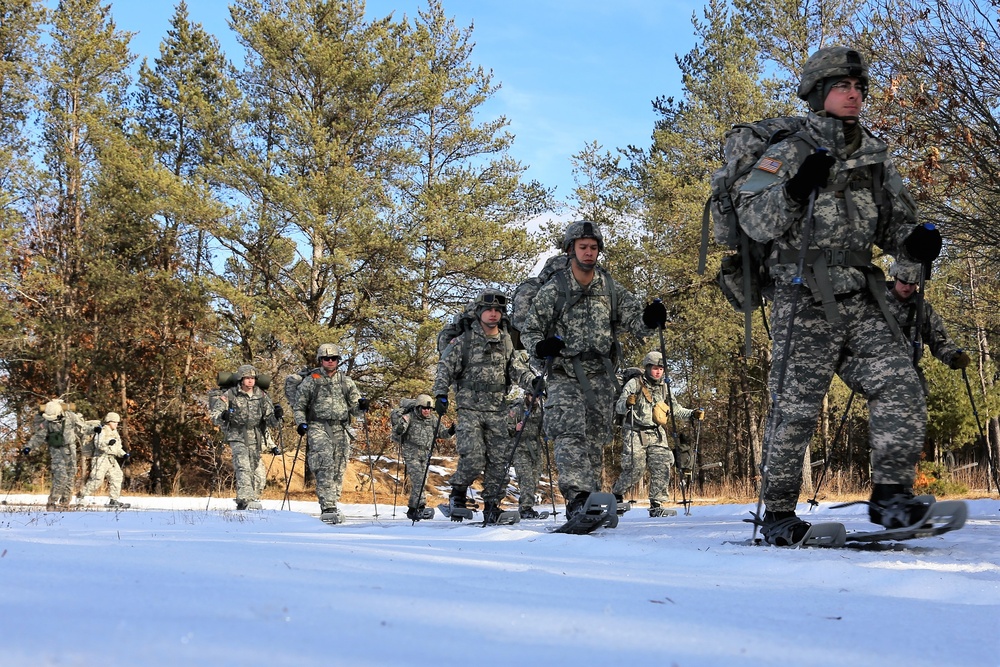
630, 401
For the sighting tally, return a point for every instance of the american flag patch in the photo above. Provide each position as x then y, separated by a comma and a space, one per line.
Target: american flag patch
770, 165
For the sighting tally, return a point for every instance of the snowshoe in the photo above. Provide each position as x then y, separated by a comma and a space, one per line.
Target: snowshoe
894, 506
529, 513
622, 506
940, 517
457, 510
332, 516
494, 516
784, 529
117, 504
657, 511
588, 512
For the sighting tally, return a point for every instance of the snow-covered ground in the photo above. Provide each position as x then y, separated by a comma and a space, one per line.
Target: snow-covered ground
171, 582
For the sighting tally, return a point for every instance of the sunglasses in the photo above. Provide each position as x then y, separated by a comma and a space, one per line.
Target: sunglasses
329, 358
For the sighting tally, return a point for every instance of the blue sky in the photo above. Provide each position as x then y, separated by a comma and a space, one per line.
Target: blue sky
572, 72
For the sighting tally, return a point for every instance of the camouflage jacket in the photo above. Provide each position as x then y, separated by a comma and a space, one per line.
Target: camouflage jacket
68, 424
323, 397
647, 394
847, 215
109, 443
494, 367
247, 415
585, 321
932, 331
416, 432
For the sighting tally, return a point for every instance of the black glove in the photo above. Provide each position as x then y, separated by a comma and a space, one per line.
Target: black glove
225, 416
441, 404
26, 451
279, 412
924, 243
364, 404
275, 451
538, 385
960, 360
97, 430
813, 174
112, 443
451, 430
126, 456
549, 347
654, 316
301, 429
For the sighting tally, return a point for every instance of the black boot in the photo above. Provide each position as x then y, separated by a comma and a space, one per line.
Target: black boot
528, 512
783, 529
895, 506
457, 498
413, 514
577, 504
491, 513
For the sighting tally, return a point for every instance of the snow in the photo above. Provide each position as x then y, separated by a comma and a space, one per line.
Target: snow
187, 581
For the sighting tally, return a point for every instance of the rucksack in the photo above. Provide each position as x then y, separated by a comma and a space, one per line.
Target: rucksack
292, 383
627, 375
555, 268
405, 407
87, 437
743, 276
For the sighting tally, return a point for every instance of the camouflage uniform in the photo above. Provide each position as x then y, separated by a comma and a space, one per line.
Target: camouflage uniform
644, 442
107, 449
56, 419
850, 334
932, 331
415, 433
578, 421
243, 417
327, 403
528, 455
480, 388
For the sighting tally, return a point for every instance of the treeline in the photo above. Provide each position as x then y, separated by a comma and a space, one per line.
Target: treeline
343, 186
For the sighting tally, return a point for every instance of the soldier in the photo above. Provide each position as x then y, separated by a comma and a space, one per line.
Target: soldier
107, 450
528, 455
244, 412
56, 427
645, 441
904, 303
415, 433
837, 171
325, 403
575, 319
482, 365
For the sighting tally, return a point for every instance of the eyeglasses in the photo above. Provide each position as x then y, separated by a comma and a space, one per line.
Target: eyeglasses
329, 358
847, 86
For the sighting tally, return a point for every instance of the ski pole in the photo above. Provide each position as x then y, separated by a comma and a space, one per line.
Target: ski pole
826, 464
982, 434
694, 456
552, 481
796, 286
673, 420
395, 486
281, 446
291, 473
371, 461
427, 463
536, 395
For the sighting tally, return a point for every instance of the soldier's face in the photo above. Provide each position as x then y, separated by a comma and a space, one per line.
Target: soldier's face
113, 425
904, 290
656, 372
248, 383
585, 253
845, 101
491, 317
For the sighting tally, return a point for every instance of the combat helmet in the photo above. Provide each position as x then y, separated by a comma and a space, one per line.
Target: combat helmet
327, 350
112, 417
52, 410
832, 62
424, 401
582, 229
908, 272
490, 298
652, 359
246, 371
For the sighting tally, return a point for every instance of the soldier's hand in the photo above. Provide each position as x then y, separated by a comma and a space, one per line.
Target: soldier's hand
279, 412
440, 404
301, 428
275, 451
97, 430
698, 415
960, 360
549, 347
924, 243
112, 443
26, 451
631, 399
537, 385
654, 316
364, 404
225, 416
814, 173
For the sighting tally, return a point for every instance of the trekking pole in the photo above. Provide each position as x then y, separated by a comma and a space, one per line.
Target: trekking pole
427, 463
291, 473
826, 464
371, 461
552, 482
395, 487
982, 434
694, 455
281, 446
673, 421
786, 349
536, 394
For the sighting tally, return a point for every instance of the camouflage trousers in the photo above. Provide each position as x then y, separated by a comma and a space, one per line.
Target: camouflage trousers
101, 468
578, 430
248, 468
62, 465
863, 352
641, 450
327, 449
528, 464
483, 447
415, 459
